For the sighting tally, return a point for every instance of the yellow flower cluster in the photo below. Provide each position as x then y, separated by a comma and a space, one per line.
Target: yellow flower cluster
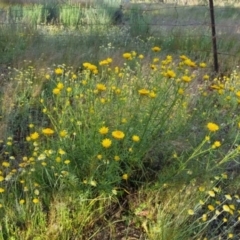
170, 74
187, 61
58, 89
117, 134
93, 68
105, 62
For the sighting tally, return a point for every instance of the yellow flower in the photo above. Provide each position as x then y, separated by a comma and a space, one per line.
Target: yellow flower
103, 62
212, 127
93, 68
232, 207
180, 91
116, 158
190, 212
22, 201
140, 56
211, 207
63, 133
207, 138
84, 82
226, 208
204, 217
170, 74
103, 130
116, 69
238, 93
67, 162
202, 65
48, 131
125, 176
93, 183
118, 134
114, 191
156, 49
153, 67
127, 56
230, 235
61, 151
228, 197
152, 94
118, 91
169, 58
225, 220
124, 120
155, 60
109, 60
134, 54
47, 76
5, 164
106, 143
143, 91
86, 64
35, 200
102, 100
135, 138
216, 144
1, 178
205, 77
2, 190
217, 212
60, 86
74, 76
216, 189
211, 193
186, 78
183, 57
58, 71
99, 156
201, 189
101, 87
34, 136
56, 91
190, 63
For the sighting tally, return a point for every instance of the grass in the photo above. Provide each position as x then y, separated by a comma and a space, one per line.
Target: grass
118, 132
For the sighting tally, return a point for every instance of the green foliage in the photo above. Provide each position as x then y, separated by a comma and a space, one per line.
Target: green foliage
139, 23
108, 129
118, 136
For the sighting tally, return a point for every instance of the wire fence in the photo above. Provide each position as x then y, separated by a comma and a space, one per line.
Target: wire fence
217, 28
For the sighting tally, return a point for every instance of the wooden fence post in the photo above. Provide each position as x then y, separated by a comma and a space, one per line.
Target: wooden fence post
214, 37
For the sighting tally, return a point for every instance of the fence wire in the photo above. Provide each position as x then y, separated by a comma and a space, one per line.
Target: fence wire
185, 23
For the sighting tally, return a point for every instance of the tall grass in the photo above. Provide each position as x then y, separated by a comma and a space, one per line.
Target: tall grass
106, 131
111, 131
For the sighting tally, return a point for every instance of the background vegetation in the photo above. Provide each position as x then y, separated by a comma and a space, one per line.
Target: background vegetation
118, 131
